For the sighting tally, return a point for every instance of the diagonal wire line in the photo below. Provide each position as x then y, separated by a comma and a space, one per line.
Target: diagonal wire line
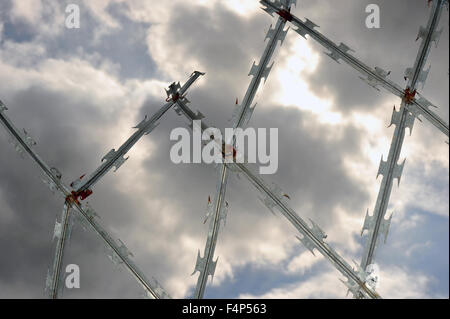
374, 77
376, 224
206, 265
23, 144
117, 158
313, 237
62, 230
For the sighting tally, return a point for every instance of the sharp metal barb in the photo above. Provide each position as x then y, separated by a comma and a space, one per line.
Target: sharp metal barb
62, 234
241, 116
374, 77
62, 189
376, 225
117, 158
313, 237
206, 265
120, 252
243, 112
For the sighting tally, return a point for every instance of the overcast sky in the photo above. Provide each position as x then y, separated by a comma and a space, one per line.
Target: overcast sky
79, 92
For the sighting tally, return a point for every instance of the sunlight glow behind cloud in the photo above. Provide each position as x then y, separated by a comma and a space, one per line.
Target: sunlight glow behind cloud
295, 90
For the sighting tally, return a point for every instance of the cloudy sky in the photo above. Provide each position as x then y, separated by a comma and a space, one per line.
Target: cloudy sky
79, 92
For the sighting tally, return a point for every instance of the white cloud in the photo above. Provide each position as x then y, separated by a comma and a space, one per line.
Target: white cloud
417, 247
413, 221
304, 262
106, 23
298, 61
24, 54
45, 16
320, 286
30, 10
395, 283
